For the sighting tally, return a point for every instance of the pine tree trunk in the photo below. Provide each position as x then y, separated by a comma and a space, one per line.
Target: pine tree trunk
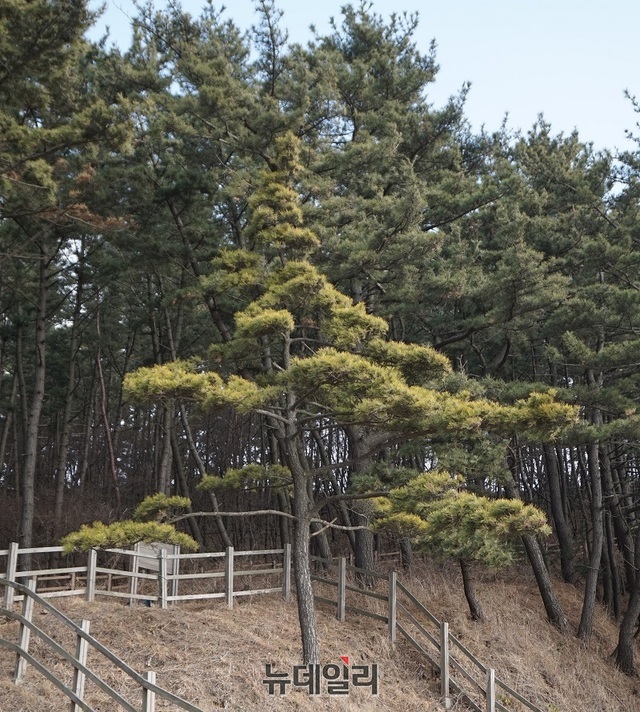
193, 450
302, 571
626, 643
61, 469
560, 524
597, 541
25, 537
475, 608
406, 552
552, 606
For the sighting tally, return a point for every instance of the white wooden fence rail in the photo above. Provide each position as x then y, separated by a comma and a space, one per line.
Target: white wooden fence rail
462, 675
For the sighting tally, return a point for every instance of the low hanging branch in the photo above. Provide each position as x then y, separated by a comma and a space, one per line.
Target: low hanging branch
277, 512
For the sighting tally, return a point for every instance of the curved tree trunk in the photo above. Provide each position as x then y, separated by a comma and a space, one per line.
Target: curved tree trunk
477, 614
552, 606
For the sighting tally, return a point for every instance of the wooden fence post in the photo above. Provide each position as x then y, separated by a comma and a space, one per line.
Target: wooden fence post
342, 589
24, 635
444, 664
162, 578
175, 570
92, 562
491, 690
82, 648
392, 604
228, 577
286, 572
133, 583
148, 696
12, 567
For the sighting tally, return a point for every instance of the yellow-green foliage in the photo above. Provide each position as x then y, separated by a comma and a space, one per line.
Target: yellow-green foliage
452, 522
466, 526
160, 505
247, 477
234, 270
180, 379
418, 364
276, 216
350, 326
253, 323
124, 534
170, 380
340, 380
420, 410
540, 417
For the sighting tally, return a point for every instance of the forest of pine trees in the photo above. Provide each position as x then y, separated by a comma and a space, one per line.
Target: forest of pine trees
264, 276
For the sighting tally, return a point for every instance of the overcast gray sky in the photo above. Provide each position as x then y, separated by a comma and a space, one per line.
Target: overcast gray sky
568, 59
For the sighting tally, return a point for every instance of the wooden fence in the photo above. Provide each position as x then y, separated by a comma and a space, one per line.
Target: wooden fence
78, 659
161, 570
462, 675
150, 566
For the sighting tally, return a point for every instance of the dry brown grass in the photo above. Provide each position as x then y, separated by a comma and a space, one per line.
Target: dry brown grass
215, 658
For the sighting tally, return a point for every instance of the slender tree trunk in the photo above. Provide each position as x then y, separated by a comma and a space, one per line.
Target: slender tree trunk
105, 417
475, 608
61, 468
561, 526
183, 487
626, 643
597, 541
25, 537
7, 426
164, 466
552, 606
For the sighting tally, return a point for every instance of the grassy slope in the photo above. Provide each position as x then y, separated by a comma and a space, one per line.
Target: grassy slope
215, 658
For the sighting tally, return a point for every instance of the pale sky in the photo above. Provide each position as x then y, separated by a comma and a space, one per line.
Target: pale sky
568, 59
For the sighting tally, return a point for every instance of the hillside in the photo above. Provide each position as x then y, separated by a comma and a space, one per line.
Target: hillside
215, 658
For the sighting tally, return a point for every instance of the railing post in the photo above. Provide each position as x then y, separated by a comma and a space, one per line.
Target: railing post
12, 567
342, 589
25, 632
133, 583
491, 690
82, 648
92, 562
228, 577
175, 570
392, 603
162, 578
444, 664
148, 696
286, 572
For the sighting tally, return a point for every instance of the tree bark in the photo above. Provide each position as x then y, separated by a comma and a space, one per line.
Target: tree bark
302, 569
626, 643
597, 540
477, 614
61, 468
552, 606
560, 524
25, 537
